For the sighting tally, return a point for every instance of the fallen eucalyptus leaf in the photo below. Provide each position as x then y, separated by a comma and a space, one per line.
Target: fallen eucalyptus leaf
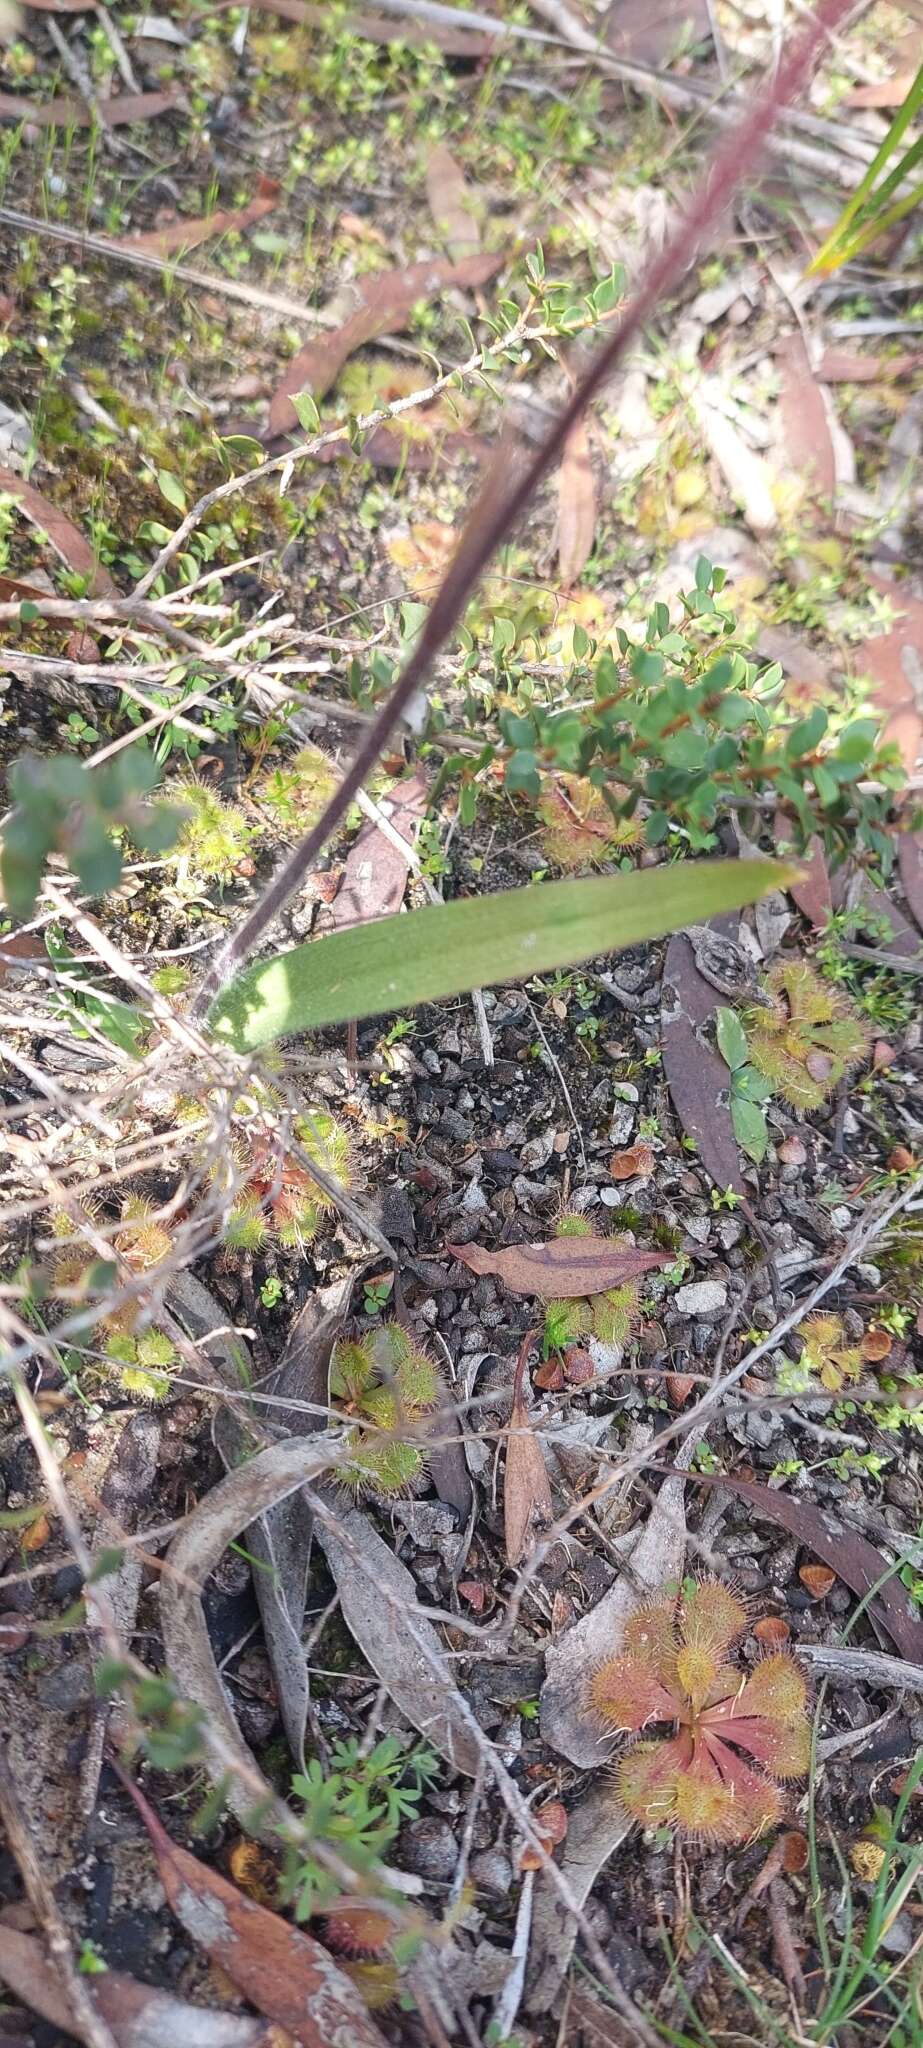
566, 1723
379, 1604
137, 2015
280, 1969
241, 1497
449, 948
527, 1502
696, 1074
596, 1828
562, 1269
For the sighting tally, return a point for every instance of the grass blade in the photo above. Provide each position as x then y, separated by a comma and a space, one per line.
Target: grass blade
450, 948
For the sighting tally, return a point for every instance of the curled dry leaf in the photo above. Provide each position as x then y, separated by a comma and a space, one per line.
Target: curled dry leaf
901, 1159
635, 1163
876, 1344
562, 1269
379, 1604
551, 1828
187, 234
817, 1579
527, 1503
136, 2014
283, 1972
66, 538
576, 506
387, 302
771, 1631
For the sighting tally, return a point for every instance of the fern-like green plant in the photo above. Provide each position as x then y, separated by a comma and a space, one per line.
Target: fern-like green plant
674, 1670
611, 1317
807, 1038
389, 1385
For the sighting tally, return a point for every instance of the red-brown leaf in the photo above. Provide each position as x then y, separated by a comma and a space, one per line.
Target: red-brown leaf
893, 661
66, 113
817, 1579
388, 300
562, 1269
449, 201
846, 366
812, 892
696, 1073
187, 234
375, 873
806, 440
910, 863
885, 92
527, 1503
576, 506
636, 1162
851, 1556
136, 2014
65, 537
283, 1972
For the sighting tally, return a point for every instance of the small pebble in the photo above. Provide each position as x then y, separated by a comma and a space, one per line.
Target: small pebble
701, 1298
429, 1849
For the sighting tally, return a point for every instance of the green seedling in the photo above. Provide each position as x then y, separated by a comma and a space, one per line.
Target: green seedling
749, 1089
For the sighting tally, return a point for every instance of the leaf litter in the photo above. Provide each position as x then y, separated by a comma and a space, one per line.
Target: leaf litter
564, 1268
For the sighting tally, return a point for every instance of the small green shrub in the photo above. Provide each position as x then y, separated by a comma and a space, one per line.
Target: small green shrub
357, 1808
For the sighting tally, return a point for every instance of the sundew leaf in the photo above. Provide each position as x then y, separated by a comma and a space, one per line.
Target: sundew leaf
448, 949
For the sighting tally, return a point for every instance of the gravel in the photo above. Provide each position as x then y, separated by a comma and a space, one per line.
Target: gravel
701, 1298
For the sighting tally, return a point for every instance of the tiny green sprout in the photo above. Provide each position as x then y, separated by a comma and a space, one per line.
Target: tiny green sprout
89, 1961
271, 1291
725, 1198
390, 1386
78, 731
734, 1740
528, 1710
376, 1294
653, 1057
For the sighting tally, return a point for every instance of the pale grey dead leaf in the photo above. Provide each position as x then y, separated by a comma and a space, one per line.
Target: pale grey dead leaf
746, 474
243, 1495
656, 1557
126, 1490
450, 202
379, 1604
280, 1541
595, 1830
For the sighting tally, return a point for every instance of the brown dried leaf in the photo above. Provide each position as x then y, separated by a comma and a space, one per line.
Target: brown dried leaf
283, 1972
910, 863
527, 1503
901, 1159
812, 891
696, 1073
136, 2014
805, 431
187, 234
388, 300
563, 1268
449, 201
576, 506
885, 92
876, 1344
65, 537
893, 661
846, 366
377, 28
376, 871
851, 1556
64, 112
551, 1828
